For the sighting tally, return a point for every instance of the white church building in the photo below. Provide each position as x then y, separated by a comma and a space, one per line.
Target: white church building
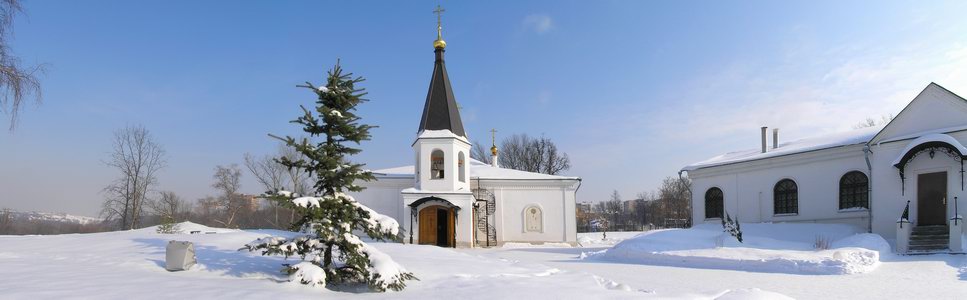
904, 180
448, 199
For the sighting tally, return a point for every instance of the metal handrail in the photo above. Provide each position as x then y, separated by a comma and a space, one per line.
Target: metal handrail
905, 215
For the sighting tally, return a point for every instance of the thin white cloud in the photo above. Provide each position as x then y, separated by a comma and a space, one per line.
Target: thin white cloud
539, 23
806, 92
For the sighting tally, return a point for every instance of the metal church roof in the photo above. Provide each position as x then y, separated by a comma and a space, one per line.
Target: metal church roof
440, 111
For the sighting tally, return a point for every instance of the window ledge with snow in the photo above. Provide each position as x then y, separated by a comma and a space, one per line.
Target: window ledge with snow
853, 209
786, 215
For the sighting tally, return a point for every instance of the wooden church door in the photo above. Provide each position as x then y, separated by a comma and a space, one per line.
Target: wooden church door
436, 226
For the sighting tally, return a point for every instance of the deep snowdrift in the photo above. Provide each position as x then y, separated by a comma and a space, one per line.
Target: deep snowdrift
778, 248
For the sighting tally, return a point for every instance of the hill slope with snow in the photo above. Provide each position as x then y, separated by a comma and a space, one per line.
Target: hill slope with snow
52, 217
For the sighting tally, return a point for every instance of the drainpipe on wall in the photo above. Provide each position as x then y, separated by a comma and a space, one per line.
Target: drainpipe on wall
869, 192
690, 198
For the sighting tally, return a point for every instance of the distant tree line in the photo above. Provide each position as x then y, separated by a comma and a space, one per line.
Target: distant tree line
669, 206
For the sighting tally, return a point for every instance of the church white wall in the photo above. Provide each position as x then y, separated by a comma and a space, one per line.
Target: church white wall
890, 199
934, 109
556, 200
384, 196
748, 187
557, 209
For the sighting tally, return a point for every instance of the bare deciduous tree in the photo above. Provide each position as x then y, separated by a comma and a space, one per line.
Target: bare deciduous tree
871, 122
169, 205
138, 158
206, 209
674, 203
228, 180
5, 220
269, 173
298, 179
273, 176
481, 153
17, 82
522, 152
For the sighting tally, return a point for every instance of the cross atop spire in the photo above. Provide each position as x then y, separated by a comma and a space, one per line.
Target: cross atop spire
493, 136
441, 110
439, 43
493, 142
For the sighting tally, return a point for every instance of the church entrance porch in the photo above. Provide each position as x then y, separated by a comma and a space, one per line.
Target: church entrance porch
932, 199
436, 226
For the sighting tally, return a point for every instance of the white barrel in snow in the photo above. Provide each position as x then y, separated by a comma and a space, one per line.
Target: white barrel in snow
179, 256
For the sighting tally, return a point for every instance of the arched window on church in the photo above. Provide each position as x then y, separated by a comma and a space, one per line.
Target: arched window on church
854, 190
436, 164
714, 203
462, 166
785, 197
533, 219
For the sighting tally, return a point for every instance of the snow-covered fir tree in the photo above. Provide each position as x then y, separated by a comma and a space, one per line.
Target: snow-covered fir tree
732, 227
330, 251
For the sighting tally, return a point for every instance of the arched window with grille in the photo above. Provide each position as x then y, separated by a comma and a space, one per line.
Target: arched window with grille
785, 197
714, 203
854, 190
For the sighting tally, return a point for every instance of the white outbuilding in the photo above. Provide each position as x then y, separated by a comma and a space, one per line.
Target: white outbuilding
904, 180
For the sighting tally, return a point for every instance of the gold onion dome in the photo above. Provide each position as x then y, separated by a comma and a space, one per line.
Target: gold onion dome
439, 43
493, 150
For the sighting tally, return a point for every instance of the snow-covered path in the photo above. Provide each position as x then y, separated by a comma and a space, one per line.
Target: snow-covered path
898, 277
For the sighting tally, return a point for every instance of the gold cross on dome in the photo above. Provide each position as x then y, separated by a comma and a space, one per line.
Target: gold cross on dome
439, 13
493, 136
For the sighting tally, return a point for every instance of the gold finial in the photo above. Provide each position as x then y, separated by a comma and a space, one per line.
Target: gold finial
493, 141
439, 43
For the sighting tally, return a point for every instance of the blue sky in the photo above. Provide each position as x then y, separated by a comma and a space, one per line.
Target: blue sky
631, 90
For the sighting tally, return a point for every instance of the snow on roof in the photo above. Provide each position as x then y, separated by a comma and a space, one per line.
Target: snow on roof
442, 133
856, 136
934, 137
478, 170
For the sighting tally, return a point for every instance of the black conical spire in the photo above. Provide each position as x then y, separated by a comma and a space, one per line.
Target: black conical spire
441, 111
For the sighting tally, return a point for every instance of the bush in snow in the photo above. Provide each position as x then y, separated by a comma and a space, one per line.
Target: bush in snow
330, 251
822, 243
732, 227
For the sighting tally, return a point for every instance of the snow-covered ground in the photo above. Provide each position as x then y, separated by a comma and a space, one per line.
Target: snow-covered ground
782, 248
667, 262
129, 264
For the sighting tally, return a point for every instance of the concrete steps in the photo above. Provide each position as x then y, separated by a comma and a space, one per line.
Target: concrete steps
934, 238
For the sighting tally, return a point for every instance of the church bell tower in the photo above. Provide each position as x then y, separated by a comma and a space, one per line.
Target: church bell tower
442, 147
